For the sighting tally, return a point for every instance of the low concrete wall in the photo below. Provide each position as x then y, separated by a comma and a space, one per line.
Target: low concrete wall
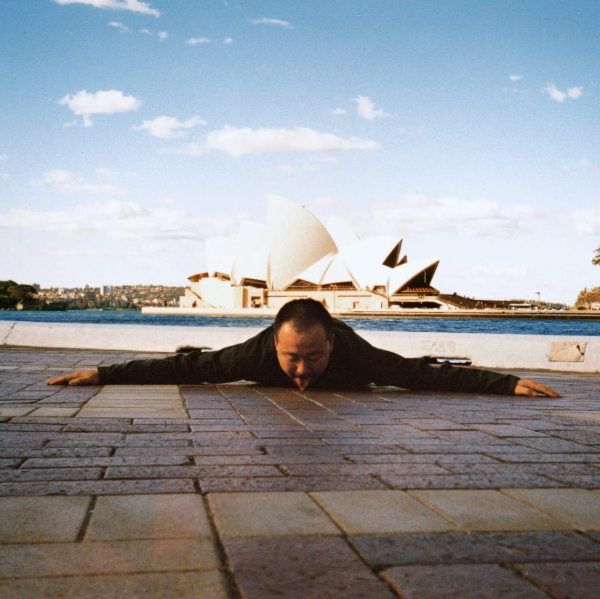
539, 352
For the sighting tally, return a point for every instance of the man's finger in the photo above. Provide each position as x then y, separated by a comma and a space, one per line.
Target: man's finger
532, 389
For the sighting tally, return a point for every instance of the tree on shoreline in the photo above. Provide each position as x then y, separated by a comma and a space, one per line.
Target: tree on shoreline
596, 258
12, 293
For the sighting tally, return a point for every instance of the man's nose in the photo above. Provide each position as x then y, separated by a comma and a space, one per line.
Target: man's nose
301, 368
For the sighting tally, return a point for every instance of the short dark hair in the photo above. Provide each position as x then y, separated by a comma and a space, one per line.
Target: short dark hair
304, 314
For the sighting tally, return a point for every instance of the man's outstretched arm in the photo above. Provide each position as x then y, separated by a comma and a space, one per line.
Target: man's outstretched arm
81, 377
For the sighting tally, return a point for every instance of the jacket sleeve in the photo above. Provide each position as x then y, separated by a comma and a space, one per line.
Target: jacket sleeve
387, 368
229, 364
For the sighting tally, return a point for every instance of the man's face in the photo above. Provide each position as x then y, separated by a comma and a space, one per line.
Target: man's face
303, 356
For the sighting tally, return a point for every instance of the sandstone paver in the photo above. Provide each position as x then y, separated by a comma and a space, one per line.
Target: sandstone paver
379, 512
130, 517
487, 510
41, 520
182, 585
580, 507
111, 557
268, 514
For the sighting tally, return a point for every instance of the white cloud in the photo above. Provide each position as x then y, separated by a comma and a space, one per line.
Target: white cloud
146, 31
277, 22
339, 111
422, 214
560, 96
288, 169
125, 220
105, 172
366, 108
189, 149
102, 102
3, 157
579, 164
168, 127
162, 36
194, 41
585, 221
228, 40
515, 77
122, 28
131, 5
62, 180
237, 141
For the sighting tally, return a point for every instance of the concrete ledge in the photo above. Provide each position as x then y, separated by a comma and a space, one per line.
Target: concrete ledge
537, 352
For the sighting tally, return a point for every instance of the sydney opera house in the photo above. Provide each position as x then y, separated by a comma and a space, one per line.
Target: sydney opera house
297, 256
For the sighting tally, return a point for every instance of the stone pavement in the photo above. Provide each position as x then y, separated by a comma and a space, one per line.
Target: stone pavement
244, 491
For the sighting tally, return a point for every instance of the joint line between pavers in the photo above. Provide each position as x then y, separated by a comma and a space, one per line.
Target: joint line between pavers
232, 587
86, 521
539, 508
438, 510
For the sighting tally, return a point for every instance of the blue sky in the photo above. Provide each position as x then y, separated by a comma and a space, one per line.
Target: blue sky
131, 131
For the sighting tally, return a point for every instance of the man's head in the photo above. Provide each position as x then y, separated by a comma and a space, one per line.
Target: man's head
303, 340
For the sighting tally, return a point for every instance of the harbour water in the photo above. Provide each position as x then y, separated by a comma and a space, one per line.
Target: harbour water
424, 325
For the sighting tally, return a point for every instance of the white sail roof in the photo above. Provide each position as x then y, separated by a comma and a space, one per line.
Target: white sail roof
297, 240
314, 273
365, 258
403, 274
251, 243
220, 255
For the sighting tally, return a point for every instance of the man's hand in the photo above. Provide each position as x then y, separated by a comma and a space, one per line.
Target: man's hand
81, 377
533, 389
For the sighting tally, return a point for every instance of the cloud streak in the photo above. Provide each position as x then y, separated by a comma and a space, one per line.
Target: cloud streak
276, 22
422, 214
130, 5
123, 220
238, 141
168, 127
102, 102
65, 181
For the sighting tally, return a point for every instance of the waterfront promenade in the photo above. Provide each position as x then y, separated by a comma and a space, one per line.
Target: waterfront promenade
244, 491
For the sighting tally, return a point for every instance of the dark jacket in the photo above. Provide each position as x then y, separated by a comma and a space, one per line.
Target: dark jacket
353, 363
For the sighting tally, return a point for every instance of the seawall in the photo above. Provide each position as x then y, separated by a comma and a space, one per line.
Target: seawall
538, 352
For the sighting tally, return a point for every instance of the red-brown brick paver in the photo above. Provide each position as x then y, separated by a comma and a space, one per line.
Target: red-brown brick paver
246, 439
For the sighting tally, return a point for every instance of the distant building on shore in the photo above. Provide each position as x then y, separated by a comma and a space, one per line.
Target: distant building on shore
297, 256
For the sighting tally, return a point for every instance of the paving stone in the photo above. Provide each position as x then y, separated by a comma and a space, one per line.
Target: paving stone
27, 452
50, 474
383, 551
380, 512
268, 514
468, 481
148, 517
301, 483
574, 580
110, 557
184, 585
41, 519
190, 471
363, 469
59, 412
15, 411
487, 510
301, 568
97, 487
580, 507
460, 581
104, 461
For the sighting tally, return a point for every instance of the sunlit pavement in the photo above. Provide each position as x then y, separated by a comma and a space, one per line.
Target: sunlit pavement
239, 490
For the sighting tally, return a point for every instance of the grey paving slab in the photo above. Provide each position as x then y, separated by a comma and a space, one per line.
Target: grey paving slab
41, 519
301, 567
574, 580
460, 581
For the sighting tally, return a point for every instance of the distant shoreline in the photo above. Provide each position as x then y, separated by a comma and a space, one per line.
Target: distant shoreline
486, 313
